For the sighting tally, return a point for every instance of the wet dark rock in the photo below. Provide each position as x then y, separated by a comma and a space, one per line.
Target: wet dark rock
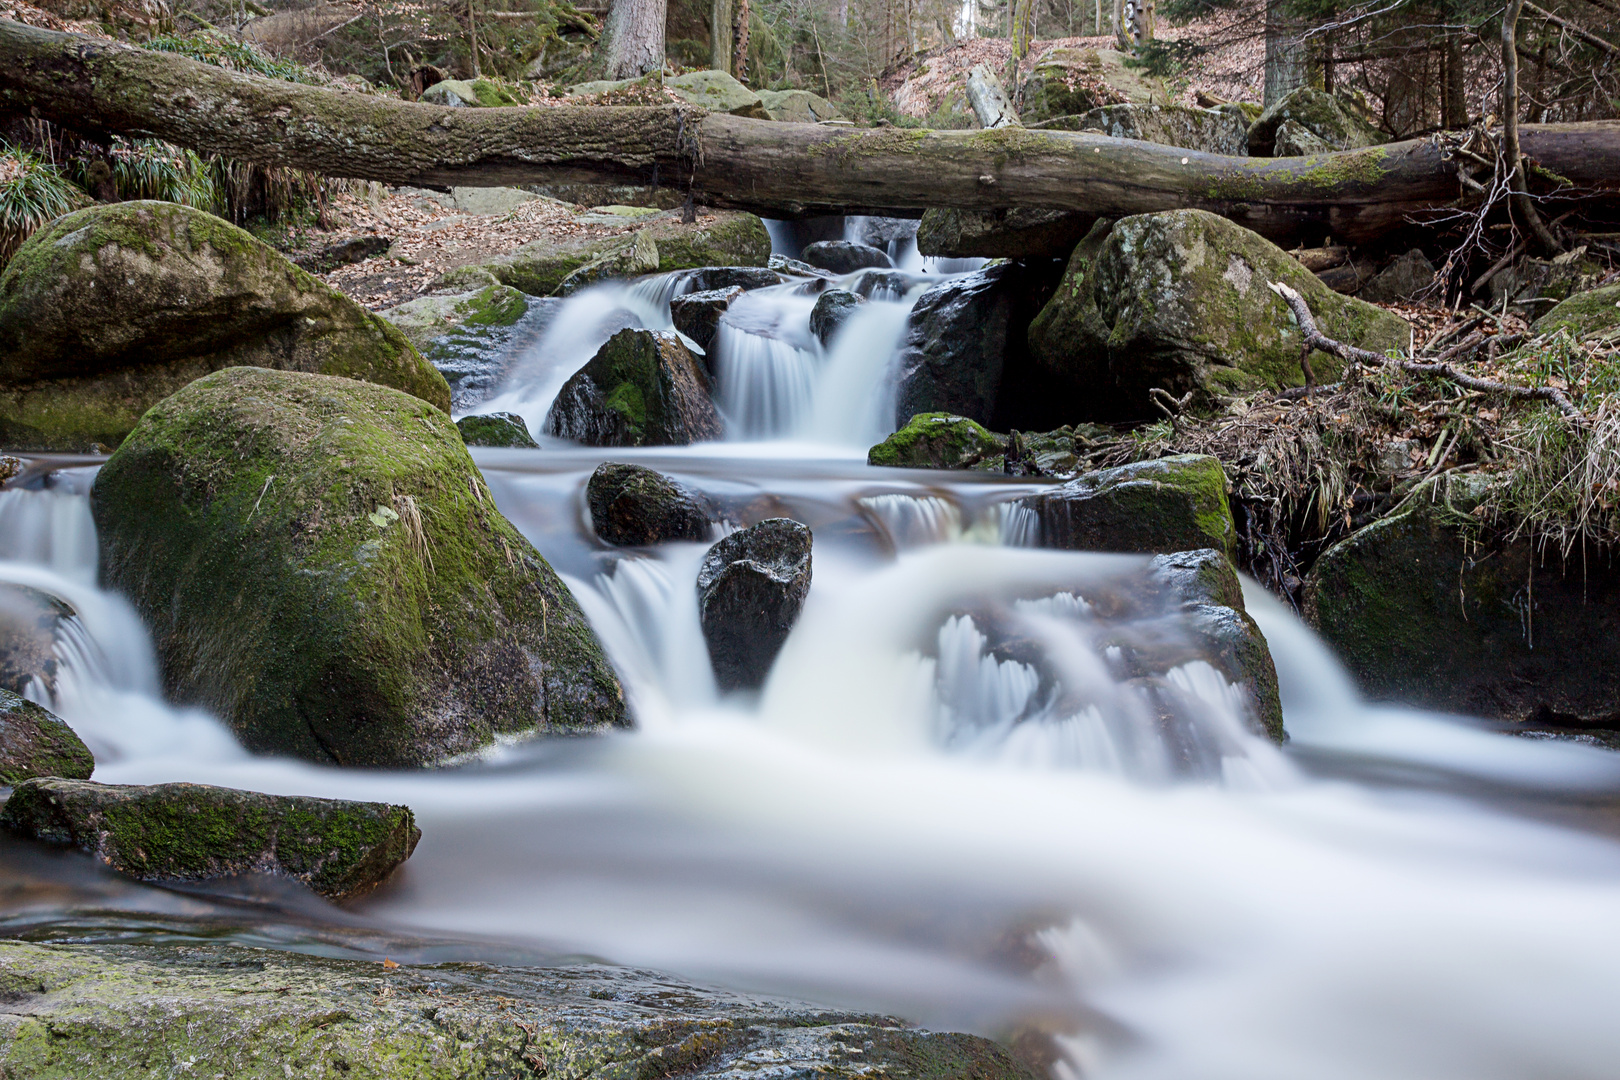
888, 284
642, 388
1402, 279
940, 441
1171, 504
751, 588
496, 429
631, 504
1017, 233
707, 278
192, 832
1426, 608
833, 309
29, 623
473, 337
36, 742
845, 256
783, 264
697, 314
955, 350
397, 618
110, 1006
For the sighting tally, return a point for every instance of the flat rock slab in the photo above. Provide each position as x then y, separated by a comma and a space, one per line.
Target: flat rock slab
189, 832
134, 1012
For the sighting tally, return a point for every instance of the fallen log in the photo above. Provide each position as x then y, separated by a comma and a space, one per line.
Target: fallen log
101, 87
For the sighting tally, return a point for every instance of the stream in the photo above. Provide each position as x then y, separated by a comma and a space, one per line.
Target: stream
909, 818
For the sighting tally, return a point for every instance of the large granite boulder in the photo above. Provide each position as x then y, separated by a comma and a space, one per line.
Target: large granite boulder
1069, 81
632, 504
940, 441
149, 1011
845, 256
955, 349
322, 566
1170, 504
642, 388
1311, 121
36, 742
713, 90
1424, 607
192, 832
1210, 131
108, 310
1584, 314
1179, 301
798, 106
751, 587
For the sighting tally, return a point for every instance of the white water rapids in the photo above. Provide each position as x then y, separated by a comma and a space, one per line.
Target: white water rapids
906, 819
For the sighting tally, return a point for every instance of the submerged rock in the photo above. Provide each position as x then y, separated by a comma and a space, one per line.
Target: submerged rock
107, 311
751, 588
1171, 504
1425, 608
1179, 301
140, 1011
1593, 312
191, 832
322, 566
1318, 122
631, 504
940, 441
833, 309
642, 388
36, 742
496, 429
697, 314
845, 256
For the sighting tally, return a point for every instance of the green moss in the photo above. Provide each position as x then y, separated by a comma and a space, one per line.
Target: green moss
1587, 313
939, 440
1175, 503
627, 400
396, 616
35, 742
497, 429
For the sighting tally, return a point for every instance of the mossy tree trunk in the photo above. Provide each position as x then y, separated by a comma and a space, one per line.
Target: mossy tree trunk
100, 87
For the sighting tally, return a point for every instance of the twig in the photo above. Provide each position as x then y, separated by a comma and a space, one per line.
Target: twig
1353, 354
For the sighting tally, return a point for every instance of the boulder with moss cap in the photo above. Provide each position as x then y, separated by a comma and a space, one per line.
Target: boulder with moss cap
1595, 312
322, 565
108, 310
1175, 503
642, 388
36, 742
192, 832
1179, 301
496, 429
1311, 121
940, 440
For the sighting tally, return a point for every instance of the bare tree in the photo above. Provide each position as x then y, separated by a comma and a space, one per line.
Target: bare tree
635, 37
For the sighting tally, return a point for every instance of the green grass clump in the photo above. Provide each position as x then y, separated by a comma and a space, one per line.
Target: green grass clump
32, 193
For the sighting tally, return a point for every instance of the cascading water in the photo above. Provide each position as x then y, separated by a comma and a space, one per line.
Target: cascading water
985, 786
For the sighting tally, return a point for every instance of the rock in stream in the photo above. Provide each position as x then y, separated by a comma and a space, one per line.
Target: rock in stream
751, 588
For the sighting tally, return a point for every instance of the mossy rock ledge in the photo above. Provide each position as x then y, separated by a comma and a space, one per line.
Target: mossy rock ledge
1594, 312
36, 742
322, 565
1425, 607
939, 440
107, 311
191, 832
1179, 301
1169, 504
642, 388
145, 1012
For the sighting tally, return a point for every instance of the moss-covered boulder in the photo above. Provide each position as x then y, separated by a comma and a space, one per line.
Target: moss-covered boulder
470, 94
1204, 588
36, 742
428, 318
751, 588
472, 337
632, 504
108, 310
1179, 301
798, 106
1170, 504
642, 388
660, 244
1425, 606
714, 90
1210, 131
1584, 314
322, 566
940, 440
116, 1011
191, 832
1069, 81
495, 429
1318, 122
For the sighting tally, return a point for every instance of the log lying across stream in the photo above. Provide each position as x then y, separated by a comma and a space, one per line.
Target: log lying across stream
100, 87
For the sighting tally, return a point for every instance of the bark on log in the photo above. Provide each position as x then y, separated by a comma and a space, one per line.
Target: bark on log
96, 87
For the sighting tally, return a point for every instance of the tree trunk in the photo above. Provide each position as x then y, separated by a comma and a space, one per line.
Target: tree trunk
635, 38
720, 35
739, 58
1523, 208
989, 101
1285, 54
100, 88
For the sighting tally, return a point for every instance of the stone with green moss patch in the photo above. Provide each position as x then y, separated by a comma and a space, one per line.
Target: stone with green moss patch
192, 832
36, 742
1179, 301
322, 565
642, 388
939, 440
1429, 606
1584, 314
798, 106
117, 1011
1069, 81
495, 429
1170, 504
109, 310
1332, 122
430, 317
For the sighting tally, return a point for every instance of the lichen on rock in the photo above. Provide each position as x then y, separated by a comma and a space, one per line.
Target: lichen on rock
322, 565
495, 429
